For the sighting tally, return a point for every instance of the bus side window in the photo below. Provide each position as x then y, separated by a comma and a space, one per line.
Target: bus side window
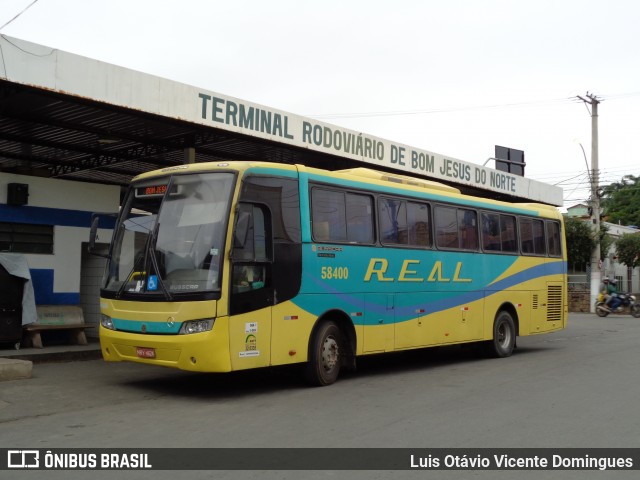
539, 241
341, 217
491, 232
419, 224
328, 215
359, 218
468, 229
532, 238
393, 221
508, 233
446, 227
553, 236
526, 238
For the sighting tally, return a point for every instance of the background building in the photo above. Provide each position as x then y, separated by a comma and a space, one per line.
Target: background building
52, 230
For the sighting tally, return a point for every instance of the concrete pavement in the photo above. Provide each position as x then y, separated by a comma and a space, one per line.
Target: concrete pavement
17, 364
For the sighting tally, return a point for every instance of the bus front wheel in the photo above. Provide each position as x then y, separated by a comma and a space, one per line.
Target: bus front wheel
504, 336
325, 355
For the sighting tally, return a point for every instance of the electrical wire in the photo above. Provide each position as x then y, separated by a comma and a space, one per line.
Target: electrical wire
24, 10
438, 110
466, 108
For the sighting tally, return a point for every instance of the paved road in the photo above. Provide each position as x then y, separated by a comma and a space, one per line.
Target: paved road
575, 388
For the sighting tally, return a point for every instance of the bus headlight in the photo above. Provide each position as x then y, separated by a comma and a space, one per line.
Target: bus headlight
106, 322
196, 326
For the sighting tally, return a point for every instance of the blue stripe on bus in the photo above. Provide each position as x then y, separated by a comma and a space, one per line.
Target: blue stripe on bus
511, 281
445, 301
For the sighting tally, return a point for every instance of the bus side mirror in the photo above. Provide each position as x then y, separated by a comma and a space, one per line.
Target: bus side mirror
93, 234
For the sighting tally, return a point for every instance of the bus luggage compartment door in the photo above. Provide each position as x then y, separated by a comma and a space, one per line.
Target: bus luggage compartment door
379, 319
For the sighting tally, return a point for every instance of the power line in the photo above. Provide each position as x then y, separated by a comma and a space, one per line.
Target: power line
24, 10
466, 108
438, 110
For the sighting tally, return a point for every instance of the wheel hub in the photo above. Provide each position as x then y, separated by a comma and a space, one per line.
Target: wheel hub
504, 335
329, 353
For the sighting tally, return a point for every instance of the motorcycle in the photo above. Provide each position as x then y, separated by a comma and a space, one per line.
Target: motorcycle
627, 305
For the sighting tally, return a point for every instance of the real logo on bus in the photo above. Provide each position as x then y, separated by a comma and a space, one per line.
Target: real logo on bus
409, 272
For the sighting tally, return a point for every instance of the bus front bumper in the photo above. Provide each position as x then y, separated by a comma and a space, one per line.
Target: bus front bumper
200, 352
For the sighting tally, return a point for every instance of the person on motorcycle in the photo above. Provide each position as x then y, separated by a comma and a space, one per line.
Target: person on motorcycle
613, 302
604, 290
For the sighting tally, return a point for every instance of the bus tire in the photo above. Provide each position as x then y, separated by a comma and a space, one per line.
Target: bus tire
504, 336
325, 355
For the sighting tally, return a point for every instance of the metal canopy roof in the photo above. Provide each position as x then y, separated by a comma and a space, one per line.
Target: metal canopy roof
44, 133
50, 134
67, 116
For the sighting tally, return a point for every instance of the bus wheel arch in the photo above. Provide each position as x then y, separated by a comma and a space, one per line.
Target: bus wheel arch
331, 346
509, 307
504, 332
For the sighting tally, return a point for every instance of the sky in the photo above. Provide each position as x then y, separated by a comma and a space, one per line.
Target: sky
453, 77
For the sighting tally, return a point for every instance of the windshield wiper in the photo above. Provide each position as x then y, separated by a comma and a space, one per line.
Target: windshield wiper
151, 251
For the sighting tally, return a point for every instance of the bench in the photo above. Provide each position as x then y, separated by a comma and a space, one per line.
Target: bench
31, 334
67, 318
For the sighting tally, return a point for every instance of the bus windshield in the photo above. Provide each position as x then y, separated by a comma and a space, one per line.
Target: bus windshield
170, 236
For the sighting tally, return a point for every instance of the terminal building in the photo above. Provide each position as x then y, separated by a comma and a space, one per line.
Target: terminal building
74, 131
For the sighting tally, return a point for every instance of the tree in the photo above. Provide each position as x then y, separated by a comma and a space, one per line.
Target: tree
628, 249
621, 201
580, 242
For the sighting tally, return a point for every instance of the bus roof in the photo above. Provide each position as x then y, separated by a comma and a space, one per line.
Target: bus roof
391, 183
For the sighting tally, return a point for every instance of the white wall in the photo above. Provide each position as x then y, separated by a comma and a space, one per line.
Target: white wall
62, 203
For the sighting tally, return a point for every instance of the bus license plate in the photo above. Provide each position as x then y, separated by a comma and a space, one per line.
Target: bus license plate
144, 352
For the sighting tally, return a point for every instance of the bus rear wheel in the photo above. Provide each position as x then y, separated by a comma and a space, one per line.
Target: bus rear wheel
325, 355
504, 336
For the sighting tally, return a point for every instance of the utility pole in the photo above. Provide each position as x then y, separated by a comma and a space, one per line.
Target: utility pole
592, 100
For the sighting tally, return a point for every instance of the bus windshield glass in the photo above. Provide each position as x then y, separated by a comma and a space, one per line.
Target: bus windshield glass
170, 236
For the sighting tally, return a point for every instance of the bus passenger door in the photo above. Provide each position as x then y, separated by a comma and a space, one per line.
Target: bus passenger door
252, 293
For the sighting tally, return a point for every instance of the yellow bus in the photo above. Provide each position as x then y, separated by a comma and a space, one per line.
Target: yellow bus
226, 266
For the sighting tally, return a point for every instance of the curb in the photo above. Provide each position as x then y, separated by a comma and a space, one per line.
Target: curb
66, 356
15, 369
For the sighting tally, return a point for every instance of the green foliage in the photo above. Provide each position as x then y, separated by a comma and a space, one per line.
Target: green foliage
580, 242
628, 249
621, 201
